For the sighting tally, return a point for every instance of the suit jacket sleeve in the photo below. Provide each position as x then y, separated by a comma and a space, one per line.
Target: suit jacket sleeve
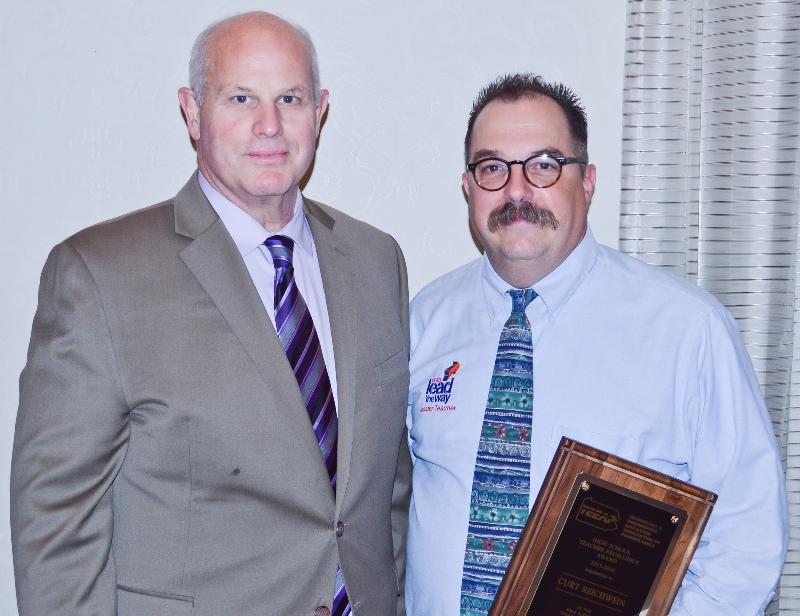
402, 486
70, 440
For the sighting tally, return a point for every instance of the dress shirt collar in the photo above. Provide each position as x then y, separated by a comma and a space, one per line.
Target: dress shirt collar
555, 289
246, 231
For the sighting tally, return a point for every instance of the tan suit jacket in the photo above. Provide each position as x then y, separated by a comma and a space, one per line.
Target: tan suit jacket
164, 462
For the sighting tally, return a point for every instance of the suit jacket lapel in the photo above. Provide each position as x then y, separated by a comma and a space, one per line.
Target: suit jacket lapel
215, 261
337, 279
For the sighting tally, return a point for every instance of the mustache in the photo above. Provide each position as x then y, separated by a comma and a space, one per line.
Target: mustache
512, 211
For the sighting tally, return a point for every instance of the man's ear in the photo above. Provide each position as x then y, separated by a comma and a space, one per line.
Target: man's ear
589, 177
321, 108
191, 111
465, 184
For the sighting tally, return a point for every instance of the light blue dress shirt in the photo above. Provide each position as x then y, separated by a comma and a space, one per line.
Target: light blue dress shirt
628, 359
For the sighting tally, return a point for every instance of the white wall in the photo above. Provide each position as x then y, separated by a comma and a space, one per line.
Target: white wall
92, 128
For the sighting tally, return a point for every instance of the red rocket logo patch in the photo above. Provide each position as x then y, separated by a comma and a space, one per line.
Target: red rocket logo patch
451, 371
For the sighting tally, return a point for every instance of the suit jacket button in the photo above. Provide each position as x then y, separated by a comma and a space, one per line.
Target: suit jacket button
322, 611
339, 529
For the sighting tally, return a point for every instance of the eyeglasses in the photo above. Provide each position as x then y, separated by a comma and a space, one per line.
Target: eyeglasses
541, 170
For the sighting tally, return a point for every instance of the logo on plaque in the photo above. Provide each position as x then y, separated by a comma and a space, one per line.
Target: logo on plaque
597, 514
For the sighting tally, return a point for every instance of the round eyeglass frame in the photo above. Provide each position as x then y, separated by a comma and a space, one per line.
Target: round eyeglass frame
561, 160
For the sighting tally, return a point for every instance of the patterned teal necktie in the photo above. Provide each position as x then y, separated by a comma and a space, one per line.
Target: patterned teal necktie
501, 484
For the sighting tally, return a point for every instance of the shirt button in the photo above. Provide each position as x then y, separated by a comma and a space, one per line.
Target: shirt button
322, 611
339, 529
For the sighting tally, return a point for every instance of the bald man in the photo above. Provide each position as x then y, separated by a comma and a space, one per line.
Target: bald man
211, 418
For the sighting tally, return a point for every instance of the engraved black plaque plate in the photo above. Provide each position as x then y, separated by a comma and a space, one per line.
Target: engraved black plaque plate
610, 549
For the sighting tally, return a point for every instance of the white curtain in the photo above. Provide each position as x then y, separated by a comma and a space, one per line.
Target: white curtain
711, 184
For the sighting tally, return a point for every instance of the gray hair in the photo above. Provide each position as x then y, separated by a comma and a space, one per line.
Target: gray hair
200, 64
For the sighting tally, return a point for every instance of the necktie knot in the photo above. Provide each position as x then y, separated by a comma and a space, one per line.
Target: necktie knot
281, 248
520, 298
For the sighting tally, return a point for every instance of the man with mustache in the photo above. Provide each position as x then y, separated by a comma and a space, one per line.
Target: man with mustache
555, 335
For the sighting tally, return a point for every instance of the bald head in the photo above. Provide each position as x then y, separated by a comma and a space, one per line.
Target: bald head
203, 56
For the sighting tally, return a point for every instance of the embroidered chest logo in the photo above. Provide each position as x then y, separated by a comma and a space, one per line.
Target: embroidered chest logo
439, 391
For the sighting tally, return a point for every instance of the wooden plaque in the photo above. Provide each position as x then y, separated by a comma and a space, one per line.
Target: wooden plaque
606, 537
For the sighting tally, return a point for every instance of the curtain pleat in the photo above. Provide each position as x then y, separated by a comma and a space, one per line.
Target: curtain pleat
711, 184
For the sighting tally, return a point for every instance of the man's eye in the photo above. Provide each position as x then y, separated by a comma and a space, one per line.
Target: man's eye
241, 99
542, 164
492, 168
289, 99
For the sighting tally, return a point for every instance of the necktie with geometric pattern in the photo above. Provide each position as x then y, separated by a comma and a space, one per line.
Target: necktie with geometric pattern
501, 482
301, 344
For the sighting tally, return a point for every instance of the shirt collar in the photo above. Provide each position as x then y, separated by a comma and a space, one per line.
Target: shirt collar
554, 290
246, 232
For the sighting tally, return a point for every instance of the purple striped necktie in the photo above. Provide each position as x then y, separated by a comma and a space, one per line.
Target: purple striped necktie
301, 344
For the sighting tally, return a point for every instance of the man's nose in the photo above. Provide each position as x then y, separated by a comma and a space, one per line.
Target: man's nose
268, 121
517, 186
